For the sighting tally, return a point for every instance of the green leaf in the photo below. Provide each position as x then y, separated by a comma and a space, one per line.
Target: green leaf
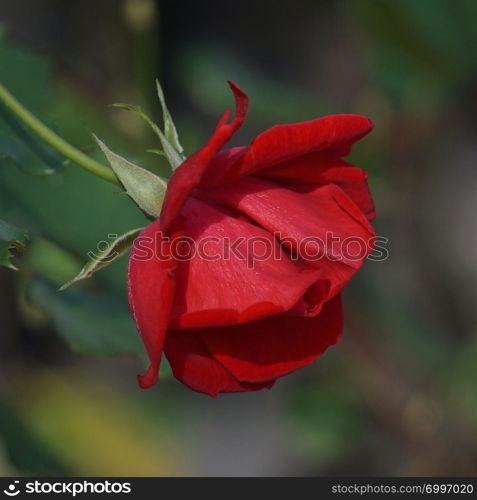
92, 323
19, 146
105, 257
11, 238
13, 152
145, 188
173, 156
169, 128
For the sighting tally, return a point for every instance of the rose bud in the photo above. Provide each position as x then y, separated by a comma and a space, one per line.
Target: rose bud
234, 316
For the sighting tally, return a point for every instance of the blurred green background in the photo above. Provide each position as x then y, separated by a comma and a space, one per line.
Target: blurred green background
398, 396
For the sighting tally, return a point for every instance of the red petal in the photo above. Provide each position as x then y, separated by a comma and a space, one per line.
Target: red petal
188, 175
150, 294
316, 169
193, 365
222, 283
306, 222
273, 347
283, 142
223, 164
333, 134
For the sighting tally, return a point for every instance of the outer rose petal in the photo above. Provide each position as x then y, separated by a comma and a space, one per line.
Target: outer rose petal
222, 284
223, 164
150, 294
306, 223
193, 365
280, 143
273, 347
316, 169
189, 174
334, 134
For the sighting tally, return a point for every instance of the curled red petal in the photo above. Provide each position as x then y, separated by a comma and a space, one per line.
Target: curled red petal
236, 271
273, 347
221, 165
323, 226
316, 169
334, 134
150, 294
189, 174
193, 365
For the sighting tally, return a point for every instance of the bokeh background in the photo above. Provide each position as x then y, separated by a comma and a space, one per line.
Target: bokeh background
398, 396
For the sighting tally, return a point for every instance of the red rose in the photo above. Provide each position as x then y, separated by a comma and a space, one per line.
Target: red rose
236, 316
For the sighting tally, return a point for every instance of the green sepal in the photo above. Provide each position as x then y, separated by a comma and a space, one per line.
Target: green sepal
158, 152
170, 130
173, 156
105, 257
144, 187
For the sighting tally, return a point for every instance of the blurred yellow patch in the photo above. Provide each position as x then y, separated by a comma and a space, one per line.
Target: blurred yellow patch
94, 431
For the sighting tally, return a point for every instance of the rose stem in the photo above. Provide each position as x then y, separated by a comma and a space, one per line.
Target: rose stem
54, 140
